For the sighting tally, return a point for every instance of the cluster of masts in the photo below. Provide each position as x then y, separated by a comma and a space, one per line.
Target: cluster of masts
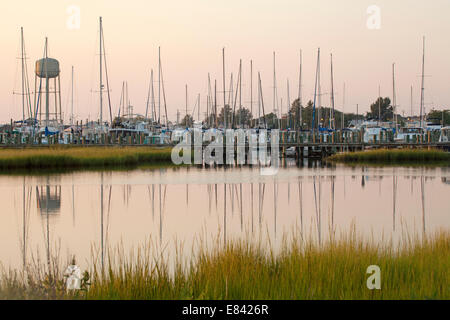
233, 114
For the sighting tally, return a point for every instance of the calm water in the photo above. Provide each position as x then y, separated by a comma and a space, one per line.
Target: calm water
72, 213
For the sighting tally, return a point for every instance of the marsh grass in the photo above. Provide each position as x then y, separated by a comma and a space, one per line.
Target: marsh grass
394, 156
416, 268
64, 158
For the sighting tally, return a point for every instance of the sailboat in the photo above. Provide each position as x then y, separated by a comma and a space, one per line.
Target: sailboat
102, 126
26, 125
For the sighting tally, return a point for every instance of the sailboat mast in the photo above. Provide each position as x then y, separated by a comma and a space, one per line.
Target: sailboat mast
379, 105
148, 97
159, 85
251, 89
223, 75
210, 101
198, 105
394, 98
299, 115
259, 104
101, 80
262, 100
47, 89
128, 102
315, 92
332, 96
275, 111
240, 92
215, 102
153, 98
186, 117
343, 107
423, 84
71, 104
288, 102
163, 92
23, 75
319, 95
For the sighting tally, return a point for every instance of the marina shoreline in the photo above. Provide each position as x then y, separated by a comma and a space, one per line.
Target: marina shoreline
63, 157
394, 156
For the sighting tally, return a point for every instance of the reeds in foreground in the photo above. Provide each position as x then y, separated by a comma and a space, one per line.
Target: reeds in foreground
394, 156
417, 268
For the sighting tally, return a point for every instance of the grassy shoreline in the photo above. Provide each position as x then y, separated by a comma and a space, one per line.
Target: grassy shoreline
417, 269
394, 156
61, 157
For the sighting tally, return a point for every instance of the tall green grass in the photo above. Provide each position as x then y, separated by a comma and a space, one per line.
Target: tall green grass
417, 268
80, 157
423, 156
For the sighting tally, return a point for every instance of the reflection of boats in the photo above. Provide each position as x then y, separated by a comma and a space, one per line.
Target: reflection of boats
48, 199
290, 152
446, 180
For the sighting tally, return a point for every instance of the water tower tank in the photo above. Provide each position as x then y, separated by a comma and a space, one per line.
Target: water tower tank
47, 68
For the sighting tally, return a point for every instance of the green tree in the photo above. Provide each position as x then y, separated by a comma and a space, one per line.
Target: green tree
270, 120
221, 117
242, 117
439, 116
293, 120
187, 121
381, 106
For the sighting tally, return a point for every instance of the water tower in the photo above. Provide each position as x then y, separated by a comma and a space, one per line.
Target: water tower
47, 70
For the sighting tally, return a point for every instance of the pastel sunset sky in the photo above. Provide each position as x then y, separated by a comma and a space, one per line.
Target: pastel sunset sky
192, 34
